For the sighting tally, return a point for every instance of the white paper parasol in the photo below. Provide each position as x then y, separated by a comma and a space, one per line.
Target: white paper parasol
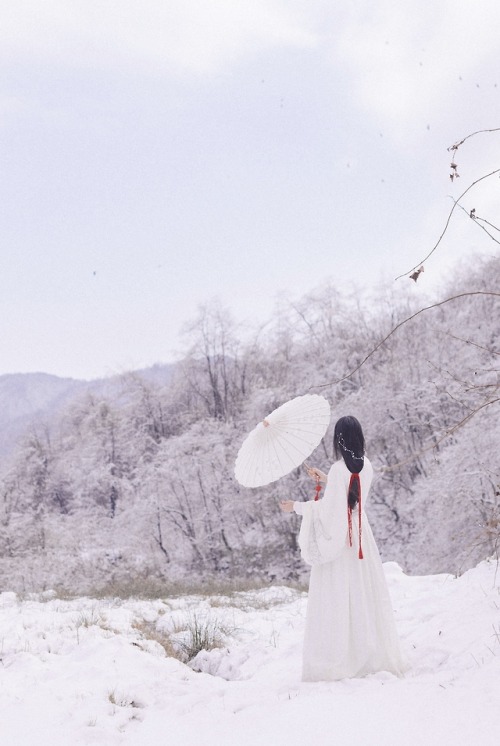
282, 441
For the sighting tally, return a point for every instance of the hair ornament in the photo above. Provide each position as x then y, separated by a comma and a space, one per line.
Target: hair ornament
342, 444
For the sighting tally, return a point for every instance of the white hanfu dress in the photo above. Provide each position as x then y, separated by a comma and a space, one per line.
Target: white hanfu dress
350, 627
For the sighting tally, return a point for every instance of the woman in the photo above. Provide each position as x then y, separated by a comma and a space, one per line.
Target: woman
350, 628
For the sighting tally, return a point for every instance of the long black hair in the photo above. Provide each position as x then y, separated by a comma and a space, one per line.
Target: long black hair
349, 442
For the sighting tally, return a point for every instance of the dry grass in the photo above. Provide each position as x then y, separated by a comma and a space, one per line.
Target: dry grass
92, 618
153, 589
121, 700
248, 601
203, 633
160, 589
149, 631
187, 637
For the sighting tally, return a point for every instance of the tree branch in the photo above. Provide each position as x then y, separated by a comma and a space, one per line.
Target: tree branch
456, 146
418, 264
446, 434
479, 220
398, 326
467, 341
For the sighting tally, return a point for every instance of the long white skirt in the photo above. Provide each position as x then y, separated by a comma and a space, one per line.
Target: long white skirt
350, 627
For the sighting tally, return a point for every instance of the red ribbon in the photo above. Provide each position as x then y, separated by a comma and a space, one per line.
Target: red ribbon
355, 477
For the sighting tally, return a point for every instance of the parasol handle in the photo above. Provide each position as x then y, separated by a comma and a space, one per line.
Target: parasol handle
315, 473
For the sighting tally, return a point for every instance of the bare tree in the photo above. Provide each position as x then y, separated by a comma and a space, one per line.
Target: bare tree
213, 368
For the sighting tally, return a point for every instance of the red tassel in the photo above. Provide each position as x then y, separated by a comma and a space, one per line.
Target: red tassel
317, 490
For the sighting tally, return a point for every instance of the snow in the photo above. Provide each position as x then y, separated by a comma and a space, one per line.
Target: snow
81, 671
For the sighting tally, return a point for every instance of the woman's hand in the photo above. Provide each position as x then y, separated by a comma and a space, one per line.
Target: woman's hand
315, 473
287, 506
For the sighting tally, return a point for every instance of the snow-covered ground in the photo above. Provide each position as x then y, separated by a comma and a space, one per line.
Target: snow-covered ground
88, 671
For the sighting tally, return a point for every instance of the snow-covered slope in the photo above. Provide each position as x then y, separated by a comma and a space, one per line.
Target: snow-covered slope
24, 397
38, 397
24, 394
83, 672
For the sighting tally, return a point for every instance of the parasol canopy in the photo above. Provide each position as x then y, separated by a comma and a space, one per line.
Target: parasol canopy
282, 441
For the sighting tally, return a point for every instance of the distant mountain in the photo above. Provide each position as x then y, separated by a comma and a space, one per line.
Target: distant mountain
158, 374
29, 397
25, 397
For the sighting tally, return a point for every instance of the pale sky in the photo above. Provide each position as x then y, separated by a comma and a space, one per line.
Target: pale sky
156, 155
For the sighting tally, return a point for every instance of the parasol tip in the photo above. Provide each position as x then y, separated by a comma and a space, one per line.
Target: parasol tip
266, 423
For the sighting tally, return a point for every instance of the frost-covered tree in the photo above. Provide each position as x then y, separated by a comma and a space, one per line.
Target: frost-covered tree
136, 483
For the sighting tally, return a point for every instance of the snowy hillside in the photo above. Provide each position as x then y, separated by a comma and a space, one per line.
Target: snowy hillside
88, 671
25, 394
25, 397
134, 480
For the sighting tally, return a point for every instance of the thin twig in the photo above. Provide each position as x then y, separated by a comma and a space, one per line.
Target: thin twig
385, 469
450, 374
418, 264
398, 326
467, 341
479, 220
456, 146
483, 220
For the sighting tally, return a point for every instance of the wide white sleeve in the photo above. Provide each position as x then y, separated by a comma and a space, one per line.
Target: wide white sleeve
324, 530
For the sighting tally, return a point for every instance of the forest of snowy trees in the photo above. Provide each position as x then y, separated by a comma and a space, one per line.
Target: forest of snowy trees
132, 484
